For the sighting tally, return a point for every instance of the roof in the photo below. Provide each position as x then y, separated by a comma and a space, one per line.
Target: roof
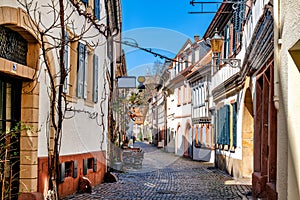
223, 15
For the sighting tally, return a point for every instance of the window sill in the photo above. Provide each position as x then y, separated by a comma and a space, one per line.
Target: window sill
72, 99
89, 103
204, 147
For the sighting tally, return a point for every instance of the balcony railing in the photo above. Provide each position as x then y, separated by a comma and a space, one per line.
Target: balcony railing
222, 75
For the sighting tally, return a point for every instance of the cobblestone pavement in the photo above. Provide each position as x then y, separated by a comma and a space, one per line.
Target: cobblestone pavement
166, 176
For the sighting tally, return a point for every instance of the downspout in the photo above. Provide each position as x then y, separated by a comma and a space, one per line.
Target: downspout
277, 48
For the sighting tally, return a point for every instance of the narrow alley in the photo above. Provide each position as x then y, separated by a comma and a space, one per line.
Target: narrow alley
166, 176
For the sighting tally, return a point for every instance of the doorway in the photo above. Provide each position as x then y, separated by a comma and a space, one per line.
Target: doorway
10, 112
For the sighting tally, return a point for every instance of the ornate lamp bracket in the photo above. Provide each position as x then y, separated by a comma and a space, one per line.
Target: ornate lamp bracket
235, 63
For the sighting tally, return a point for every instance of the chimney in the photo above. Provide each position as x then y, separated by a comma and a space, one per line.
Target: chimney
196, 38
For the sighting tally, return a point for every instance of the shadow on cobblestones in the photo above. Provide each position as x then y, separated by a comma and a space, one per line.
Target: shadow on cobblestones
172, 178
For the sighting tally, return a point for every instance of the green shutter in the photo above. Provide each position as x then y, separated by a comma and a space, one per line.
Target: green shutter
223, 124
227, 125
75, 169
234, 107
218, 131
95, 165
85, 166
62, 172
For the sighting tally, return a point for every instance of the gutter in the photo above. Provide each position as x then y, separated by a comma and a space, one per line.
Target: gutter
277, 49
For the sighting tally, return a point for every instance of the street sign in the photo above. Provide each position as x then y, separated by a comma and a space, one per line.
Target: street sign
127, 82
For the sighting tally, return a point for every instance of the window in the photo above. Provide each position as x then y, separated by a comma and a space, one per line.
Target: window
97, 9
89, 163
226, 42
237, 26
179, 97
189, 94
82, 71
184, 94
68, 169
193, 56
10, 111
226, 126
186, 61
197, 97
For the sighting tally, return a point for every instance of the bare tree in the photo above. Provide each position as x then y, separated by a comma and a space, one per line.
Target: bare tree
53, 40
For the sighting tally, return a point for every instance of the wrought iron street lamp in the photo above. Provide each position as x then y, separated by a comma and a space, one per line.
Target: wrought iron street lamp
216, 43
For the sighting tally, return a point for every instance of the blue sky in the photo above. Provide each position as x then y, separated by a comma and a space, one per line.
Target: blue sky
162, 25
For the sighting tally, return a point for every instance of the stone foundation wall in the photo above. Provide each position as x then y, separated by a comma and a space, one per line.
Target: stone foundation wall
132, 158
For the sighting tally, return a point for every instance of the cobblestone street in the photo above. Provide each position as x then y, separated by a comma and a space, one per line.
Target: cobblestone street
166, 176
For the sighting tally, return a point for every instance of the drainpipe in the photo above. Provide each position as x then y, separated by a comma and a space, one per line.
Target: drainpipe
277, 48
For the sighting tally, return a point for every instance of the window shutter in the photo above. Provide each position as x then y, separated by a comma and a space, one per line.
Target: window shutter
85, 72
223, 124
215, 128
80, 70
97, 8
227, 124
85, 2
66, 62
62, 172
85, 166
204, 136
75, 168
219, 129
95, 165
95, 79
234, 108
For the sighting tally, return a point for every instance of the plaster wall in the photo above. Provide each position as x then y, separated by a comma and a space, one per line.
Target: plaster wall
81, 134
287, 27
182, 115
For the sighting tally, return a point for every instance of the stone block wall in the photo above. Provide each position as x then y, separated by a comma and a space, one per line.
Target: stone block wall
132, 158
